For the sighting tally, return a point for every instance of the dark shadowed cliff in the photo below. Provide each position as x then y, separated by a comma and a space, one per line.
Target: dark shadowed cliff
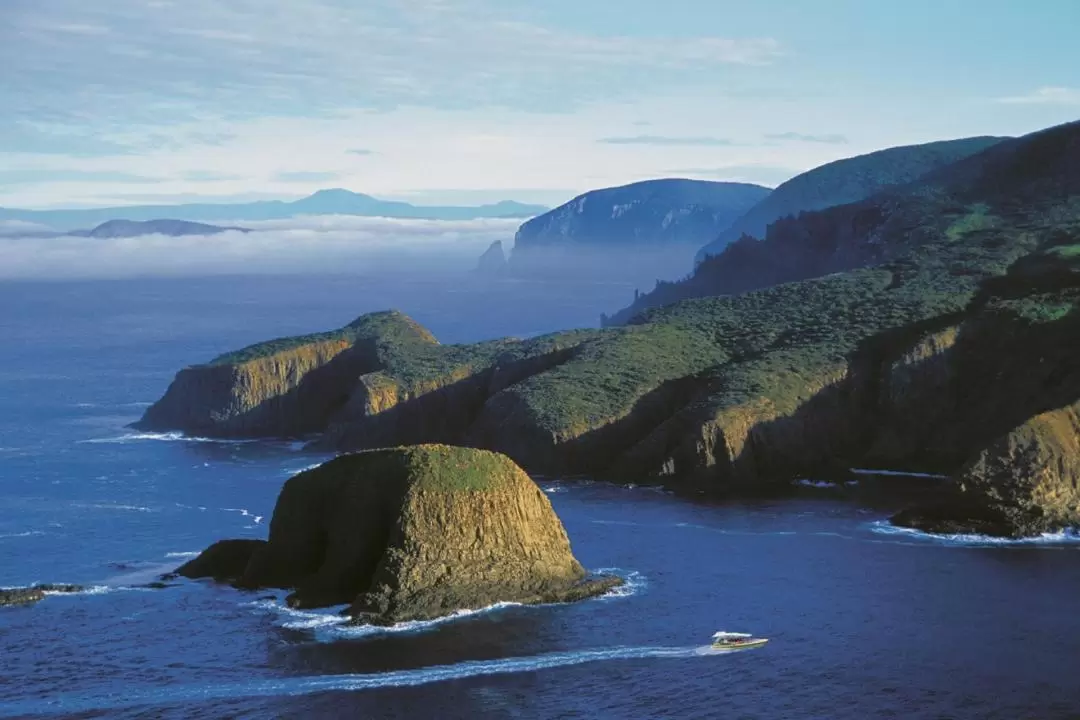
644, 230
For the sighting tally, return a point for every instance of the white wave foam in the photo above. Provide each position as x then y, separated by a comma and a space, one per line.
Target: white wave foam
28, 533
181, 554
113, 506
294, 686
554, 489
255, 519
884, 527
818, 484
633, 583
296, 471
163, 437
92, 590
332, 622
898, 473
338, 625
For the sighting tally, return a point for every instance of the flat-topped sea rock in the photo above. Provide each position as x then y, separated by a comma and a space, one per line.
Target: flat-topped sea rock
409, 533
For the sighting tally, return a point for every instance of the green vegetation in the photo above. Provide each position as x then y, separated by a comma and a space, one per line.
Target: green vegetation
979, 218
443, 468
847, 181
390, 327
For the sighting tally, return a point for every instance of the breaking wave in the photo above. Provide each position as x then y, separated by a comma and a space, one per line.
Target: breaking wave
164, 437
330, 624
884, 527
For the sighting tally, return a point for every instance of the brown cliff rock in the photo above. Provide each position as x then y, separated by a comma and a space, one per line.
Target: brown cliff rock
287, 387
413, 533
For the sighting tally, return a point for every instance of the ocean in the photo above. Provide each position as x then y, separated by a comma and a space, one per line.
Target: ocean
865, 621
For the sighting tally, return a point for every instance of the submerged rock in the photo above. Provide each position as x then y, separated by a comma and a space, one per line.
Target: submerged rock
33, 594
224, 560
20, 596
409, 533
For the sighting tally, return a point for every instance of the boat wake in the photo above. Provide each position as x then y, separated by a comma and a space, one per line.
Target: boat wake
1063, 537
134, 696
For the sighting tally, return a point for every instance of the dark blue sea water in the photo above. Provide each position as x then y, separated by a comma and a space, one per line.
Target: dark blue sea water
864, 623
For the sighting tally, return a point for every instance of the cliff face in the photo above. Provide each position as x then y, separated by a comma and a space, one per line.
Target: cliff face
282, 388
669, 211
411, 533
635, 233
275, 395
1031, 475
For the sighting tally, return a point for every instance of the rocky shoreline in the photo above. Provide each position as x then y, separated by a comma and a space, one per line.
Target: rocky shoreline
949, 351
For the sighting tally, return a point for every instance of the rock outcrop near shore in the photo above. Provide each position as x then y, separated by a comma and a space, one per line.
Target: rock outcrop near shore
409, 533
18, 596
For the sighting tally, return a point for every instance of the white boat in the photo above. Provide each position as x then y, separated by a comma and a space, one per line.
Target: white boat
736, 641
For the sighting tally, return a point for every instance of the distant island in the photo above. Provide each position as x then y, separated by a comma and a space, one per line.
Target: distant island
172, 228
334, 201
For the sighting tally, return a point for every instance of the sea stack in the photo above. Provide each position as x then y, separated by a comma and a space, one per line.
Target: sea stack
409, 533
493, 261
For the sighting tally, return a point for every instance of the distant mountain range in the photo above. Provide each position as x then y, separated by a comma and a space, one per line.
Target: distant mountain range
323, 202
846, 181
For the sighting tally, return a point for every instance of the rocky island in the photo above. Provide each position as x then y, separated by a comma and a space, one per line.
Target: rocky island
929, 329
409, 533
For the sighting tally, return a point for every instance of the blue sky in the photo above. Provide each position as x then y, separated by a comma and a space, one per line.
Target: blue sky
463, 101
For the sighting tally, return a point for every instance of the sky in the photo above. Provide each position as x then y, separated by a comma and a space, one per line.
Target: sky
117, 102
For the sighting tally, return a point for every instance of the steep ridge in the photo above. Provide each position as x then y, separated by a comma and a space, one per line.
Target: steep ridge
409, 534
846, 181
1012, 173
635, 232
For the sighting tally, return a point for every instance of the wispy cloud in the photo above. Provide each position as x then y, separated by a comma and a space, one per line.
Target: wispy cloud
209, 176
771, 175
360, 151
280, 57
36, 175
803, 137
305, 176
666, 140
311, 245
1046, 96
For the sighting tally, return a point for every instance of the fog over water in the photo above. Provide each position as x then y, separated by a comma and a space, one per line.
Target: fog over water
313, 244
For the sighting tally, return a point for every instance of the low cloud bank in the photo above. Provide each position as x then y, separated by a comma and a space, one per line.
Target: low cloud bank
317, 244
